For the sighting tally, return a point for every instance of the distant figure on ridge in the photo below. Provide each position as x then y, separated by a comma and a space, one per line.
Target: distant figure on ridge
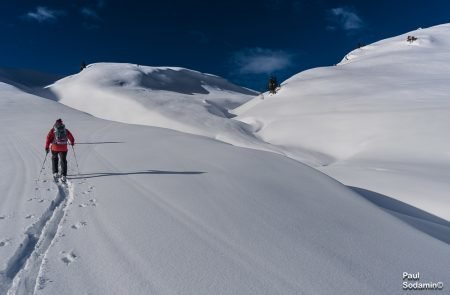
57, 139
272, 85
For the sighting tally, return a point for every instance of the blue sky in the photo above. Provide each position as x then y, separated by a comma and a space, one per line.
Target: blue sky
243, 41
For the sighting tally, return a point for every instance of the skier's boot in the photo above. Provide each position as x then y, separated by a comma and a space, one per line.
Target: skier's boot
55, 177
63, 179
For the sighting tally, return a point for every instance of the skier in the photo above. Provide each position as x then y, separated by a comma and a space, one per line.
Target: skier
58, 137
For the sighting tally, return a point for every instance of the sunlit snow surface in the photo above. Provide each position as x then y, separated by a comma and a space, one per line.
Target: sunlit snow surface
158, 211
381, 116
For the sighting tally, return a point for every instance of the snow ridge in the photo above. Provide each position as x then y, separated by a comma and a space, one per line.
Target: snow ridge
378, 119
22, 270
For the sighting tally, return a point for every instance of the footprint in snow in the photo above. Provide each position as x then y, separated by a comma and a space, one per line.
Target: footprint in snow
42, 282
79, 225
68, 258
29, 216
2, 217
92, 202
4, 242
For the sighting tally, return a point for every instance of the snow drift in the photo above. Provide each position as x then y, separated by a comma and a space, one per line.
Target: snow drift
380, 117
186, 215
168, 97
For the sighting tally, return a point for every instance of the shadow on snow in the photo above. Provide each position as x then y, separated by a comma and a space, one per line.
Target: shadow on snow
428, 223
147, 172
100, 142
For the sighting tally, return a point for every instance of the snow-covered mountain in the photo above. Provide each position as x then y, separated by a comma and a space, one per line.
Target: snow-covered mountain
169, 97
150, 210
380, 118
157, 211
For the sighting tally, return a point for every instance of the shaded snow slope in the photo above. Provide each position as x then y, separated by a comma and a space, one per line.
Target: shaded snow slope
156, 211
30, 81
27, 78
381, 115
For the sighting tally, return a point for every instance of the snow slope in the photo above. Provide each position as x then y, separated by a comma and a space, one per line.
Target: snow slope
168, 97
26, 78
380, 117
30, 81
155, 211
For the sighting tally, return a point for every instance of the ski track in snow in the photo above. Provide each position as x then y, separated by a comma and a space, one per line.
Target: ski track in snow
17, 172
23, 268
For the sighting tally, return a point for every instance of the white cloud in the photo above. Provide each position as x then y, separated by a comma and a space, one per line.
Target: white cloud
261, 61
44, 14
346, 19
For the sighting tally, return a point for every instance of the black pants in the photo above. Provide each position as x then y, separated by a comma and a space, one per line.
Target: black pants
63, 156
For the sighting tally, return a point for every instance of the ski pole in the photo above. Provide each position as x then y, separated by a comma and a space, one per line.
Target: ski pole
42, 168
76, 161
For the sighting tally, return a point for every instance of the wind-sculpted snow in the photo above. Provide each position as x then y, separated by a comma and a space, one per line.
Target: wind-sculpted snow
155, 211
188, 82
180, 86
377, 120
174, 98
381, 117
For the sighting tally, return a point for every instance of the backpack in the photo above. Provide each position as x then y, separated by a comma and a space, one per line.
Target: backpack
60, 134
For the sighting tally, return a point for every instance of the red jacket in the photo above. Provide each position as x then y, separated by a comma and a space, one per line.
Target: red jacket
58, 147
